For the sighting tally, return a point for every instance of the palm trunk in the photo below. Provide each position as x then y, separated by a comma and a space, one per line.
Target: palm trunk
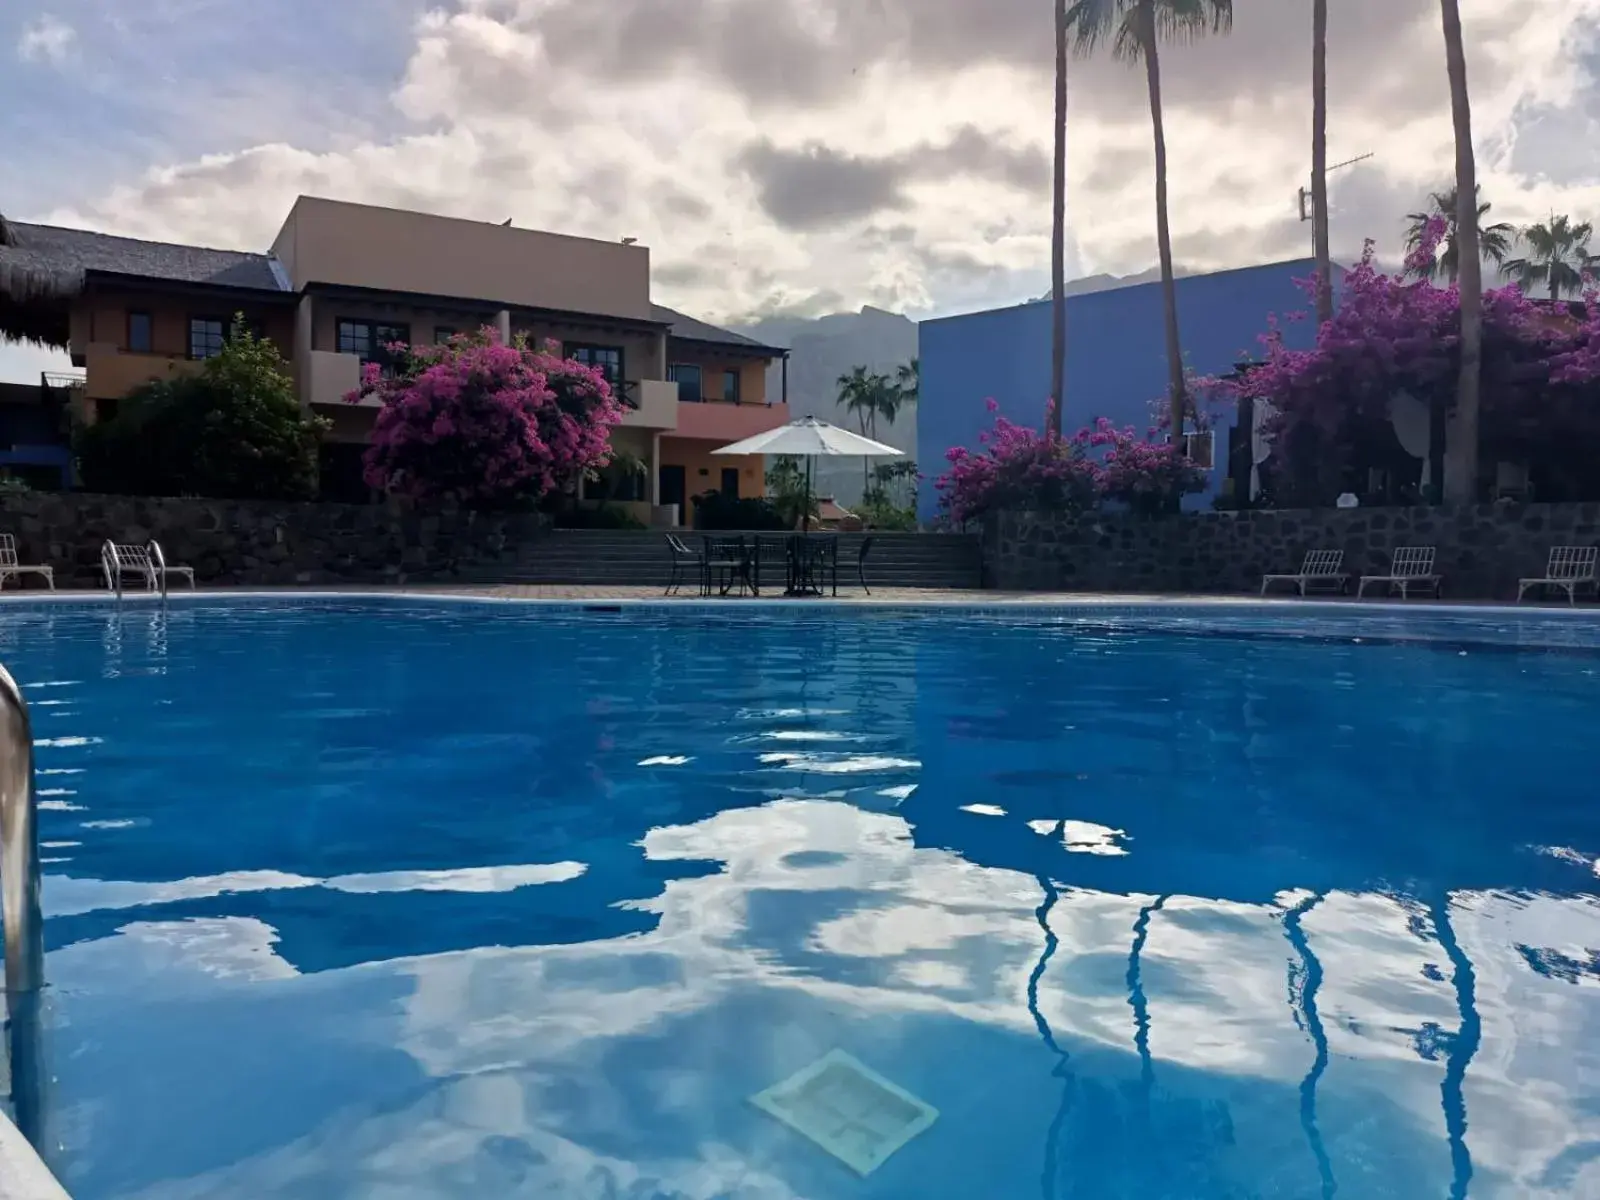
1319, 159
1058, 236
1169, 288
1461, 482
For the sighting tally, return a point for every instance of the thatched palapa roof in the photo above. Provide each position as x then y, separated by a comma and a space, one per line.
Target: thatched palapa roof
44, 268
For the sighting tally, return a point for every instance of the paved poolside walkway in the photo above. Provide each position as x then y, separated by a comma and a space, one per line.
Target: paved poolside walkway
602, 593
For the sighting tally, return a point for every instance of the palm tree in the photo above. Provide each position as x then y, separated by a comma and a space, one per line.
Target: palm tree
1135, 29
908, 379
869, 395
1058, 236
1319, 159
1461, 484
1558, 255
1494, 241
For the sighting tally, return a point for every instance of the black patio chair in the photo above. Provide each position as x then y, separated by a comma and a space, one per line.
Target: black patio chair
820, 563
861, 562
682, 558
724, 564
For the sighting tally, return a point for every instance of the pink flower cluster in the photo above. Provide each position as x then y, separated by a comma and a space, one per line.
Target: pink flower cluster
1390, 335
1139, 471
480, 421
1020, 468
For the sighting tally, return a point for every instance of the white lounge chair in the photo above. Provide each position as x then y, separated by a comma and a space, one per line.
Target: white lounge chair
1569, 568
1320, 569
146, 563
10, 565
1412, 567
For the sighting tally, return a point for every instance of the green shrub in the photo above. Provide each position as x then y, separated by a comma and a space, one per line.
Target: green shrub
606, 516
233, 430
715, 511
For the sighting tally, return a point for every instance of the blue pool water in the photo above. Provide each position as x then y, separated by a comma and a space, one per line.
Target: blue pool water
411, 900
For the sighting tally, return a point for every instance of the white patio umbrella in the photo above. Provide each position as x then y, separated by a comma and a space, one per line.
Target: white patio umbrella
810, 438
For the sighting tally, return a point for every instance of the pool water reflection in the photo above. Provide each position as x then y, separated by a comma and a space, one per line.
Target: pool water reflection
425, 900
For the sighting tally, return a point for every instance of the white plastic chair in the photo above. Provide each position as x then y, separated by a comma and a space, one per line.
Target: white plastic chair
10, 565
1412, 567
1321, 568
1569, 568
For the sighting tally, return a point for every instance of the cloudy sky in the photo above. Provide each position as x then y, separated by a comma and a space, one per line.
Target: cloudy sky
776, 155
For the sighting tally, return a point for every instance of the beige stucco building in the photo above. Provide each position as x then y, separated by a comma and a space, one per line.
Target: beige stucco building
342, 281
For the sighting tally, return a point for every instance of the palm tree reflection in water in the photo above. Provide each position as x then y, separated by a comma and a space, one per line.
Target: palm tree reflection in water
1303, 986
1462, 1047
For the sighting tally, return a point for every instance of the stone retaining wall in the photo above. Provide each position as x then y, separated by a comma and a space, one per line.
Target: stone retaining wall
1482, 549
243, 542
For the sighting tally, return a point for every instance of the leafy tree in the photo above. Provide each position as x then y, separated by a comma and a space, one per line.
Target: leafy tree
789, 491
233, 430
1135, 29
1558, 257
891, 501
1494, 241
487, 423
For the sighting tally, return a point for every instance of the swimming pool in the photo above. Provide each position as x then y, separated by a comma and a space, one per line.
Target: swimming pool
366, 897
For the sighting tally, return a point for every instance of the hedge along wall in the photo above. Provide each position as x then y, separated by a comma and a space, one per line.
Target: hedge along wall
1482, 549
248, 542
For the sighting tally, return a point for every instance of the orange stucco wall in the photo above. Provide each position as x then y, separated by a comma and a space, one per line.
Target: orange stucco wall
695, 456
752, 371
101, 321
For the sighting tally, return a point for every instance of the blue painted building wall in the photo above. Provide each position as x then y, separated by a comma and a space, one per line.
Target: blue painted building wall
1116, 362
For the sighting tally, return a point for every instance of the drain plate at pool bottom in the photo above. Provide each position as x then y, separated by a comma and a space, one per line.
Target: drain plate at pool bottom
848, 1109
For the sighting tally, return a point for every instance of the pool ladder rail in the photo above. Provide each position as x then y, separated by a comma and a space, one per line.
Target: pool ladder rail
145, 562
19, 844
23, 1173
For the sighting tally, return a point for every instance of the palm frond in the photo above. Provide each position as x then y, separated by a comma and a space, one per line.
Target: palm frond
1183, 21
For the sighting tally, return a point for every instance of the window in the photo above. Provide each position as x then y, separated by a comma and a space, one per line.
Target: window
139, 332
443, 333
730, 386
367, 340
206, 335
687, 377
605, 359
1200, 449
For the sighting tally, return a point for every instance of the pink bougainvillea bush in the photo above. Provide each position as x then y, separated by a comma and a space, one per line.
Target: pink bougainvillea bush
1017, 468
483, 422
1145, 473
1021, 469
1393, 336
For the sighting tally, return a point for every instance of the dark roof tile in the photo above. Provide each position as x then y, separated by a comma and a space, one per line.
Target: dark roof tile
699, 331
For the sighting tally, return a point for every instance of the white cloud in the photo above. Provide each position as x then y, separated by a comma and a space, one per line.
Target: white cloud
644, 125
46, 39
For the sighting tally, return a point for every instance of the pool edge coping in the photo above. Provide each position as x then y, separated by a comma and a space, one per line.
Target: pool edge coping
1003, 602
23, 1173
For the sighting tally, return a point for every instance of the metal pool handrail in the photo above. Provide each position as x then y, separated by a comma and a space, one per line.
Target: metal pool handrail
148, 561
19, 844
